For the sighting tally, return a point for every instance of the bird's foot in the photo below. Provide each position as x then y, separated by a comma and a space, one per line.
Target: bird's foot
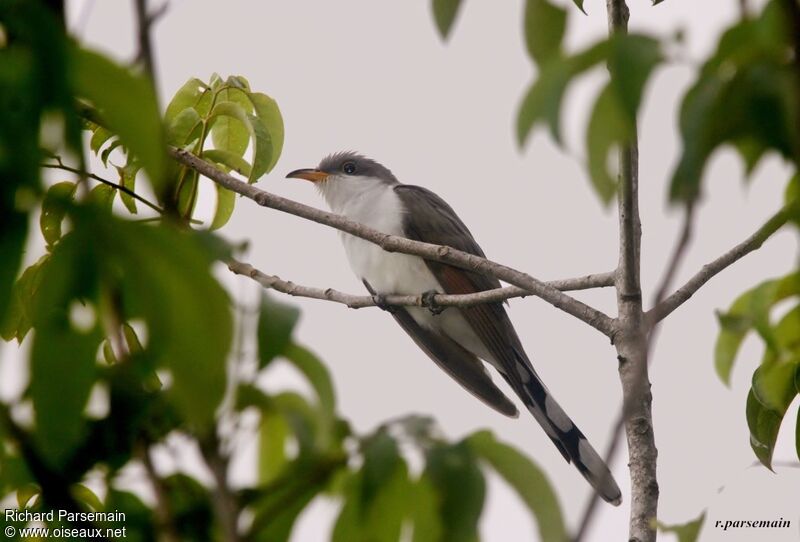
429, 302
380, 302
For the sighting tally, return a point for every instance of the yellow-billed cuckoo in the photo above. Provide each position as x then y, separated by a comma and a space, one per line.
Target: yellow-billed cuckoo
458, 338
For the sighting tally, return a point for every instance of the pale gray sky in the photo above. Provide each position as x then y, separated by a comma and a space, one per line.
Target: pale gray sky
374, 76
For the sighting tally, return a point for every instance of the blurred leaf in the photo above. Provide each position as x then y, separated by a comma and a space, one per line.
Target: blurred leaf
376, 499
99, 137
63, 352
424, 503
88, 497
272, 445
54, 208
444, 13
607, 131
688, 532
542, 103
527, 479
276, 321
632, 59
20, 314
457, 479
139, 521
128, 106
104, 155
750, 311
579, 3
26, 493
315, 372
191, 508
792, 194
186, 310
745, 95
102, 196
545, 24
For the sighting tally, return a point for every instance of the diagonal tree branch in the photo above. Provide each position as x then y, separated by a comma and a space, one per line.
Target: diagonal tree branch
708, 271
393, 243
439, 300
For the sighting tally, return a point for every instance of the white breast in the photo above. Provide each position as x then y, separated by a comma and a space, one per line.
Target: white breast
376, 205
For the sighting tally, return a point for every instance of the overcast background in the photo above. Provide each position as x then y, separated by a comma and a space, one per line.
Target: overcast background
374, 76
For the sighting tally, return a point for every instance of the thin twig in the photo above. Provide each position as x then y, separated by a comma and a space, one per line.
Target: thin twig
144, 23
393, 243
112, 184
441, 300
708, 271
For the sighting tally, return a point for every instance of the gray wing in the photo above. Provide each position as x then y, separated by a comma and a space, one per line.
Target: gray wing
434, 221
457, 362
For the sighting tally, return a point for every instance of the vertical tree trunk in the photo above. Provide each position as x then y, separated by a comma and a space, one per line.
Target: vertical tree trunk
631, 337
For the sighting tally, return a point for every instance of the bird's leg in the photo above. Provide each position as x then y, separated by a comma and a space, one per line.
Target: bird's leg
380, 302
429, 302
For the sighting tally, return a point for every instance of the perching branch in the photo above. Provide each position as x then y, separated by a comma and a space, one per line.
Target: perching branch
439, 300
393, 243
682, 294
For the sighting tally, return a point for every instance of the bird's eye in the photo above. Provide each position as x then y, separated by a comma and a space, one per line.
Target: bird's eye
349, 167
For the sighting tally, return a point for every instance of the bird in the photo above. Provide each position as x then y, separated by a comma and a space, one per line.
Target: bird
459, 339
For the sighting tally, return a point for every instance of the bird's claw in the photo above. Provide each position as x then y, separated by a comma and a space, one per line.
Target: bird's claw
380, 302
429, 302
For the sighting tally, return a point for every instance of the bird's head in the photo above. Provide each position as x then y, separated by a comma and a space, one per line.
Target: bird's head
345, 175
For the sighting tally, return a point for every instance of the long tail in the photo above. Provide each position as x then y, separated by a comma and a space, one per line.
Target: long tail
564, 433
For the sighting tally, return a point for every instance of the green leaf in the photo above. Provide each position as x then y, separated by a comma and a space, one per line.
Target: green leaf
745, 95
456, 477
764, 417
99, 137
579, 3
262, 149
792, 195
444, 13
377, 498
226, 200
184, 128
64, 350
88, 497
424, 502
128, 105
230, 124
267, 111
750, 311
54, 208
12, 244
527, 479
315, 372
127, 178
542, 103
193, 94
186, 311
26, 493
19, 318
272, 445
108, 150
688, 532
275, 324
632, 59
545, 24
607, 131
228, 161
102, 196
